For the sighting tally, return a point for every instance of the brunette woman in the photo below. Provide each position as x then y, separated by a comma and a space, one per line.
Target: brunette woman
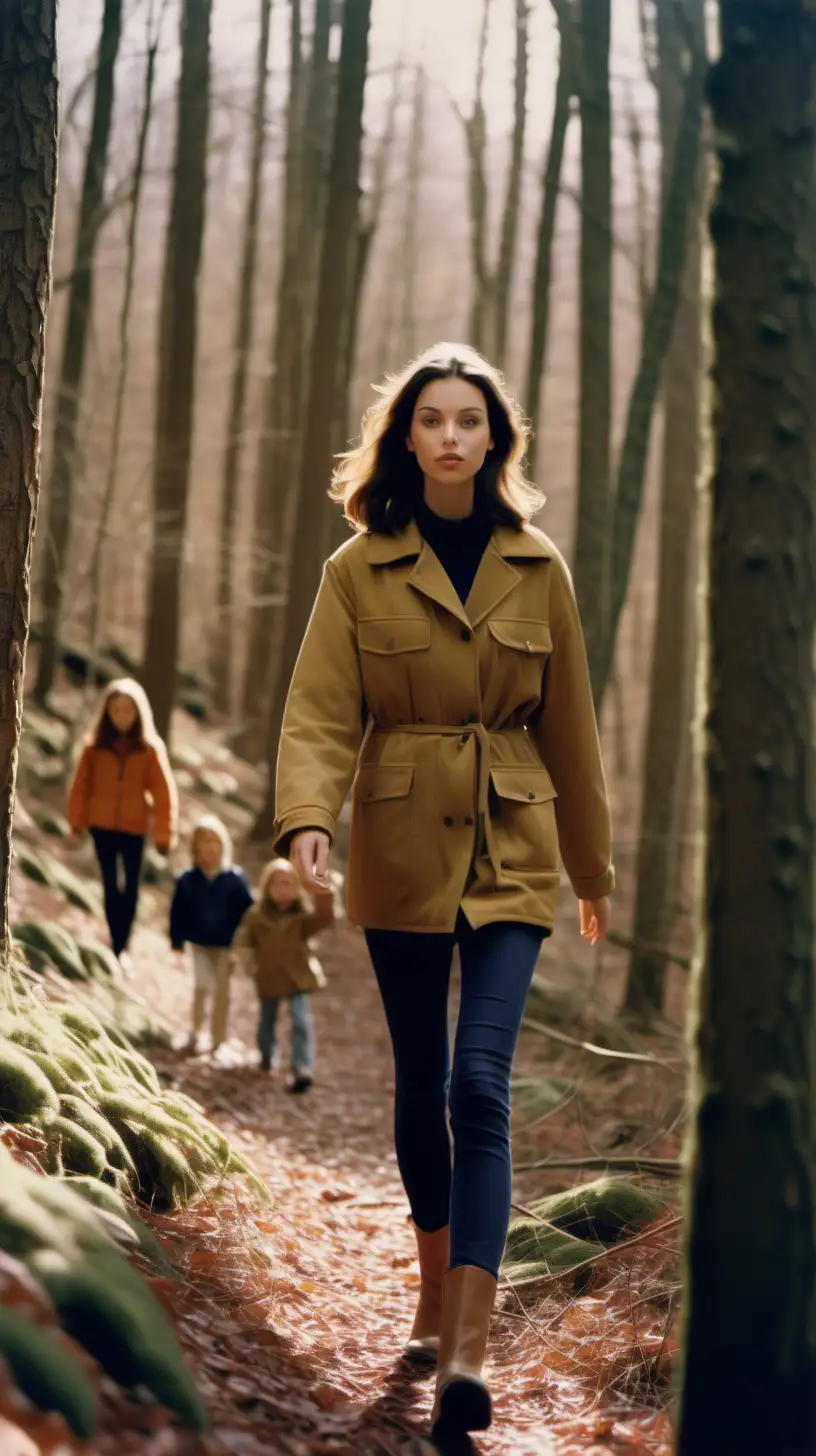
123, 789
443, 678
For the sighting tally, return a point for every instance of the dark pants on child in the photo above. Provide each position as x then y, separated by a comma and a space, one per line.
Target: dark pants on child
471, 1191
302, 1030
120, 861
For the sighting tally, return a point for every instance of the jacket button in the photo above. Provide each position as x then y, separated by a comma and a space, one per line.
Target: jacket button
466, 634
469, 821
447, 821
531, 795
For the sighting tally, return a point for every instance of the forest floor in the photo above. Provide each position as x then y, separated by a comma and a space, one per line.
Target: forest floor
292, 1315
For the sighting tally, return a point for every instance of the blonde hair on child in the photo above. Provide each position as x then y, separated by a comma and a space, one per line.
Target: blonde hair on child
211, 824
284, 868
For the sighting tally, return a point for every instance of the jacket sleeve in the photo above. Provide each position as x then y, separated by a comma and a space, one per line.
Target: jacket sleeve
322, 725
80, 792
321, 917
178, 917
244, 939
164, 794
566, 734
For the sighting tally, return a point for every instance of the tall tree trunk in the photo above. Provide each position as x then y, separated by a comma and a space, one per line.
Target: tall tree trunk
408, 258
281, 432
69, 389
591, 556
174, 406
509, 232
332, 304
481, 308
542, 279
676, 215
221, 658
751, 1294
28, 146
101, 537
668, 723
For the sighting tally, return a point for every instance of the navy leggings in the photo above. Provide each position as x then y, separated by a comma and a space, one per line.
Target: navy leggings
471, 1190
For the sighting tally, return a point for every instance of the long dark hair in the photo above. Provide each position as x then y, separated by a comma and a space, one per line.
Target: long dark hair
380, 482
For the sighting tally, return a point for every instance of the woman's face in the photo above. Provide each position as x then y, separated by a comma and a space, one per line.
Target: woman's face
122, 712
450, 431
282, 891
208, 851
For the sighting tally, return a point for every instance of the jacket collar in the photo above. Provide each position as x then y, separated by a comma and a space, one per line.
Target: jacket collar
512, 545
495, 577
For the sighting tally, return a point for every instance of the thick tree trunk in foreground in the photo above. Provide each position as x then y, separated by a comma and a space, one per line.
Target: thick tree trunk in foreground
332, 305
592, 529
669, 714
174, 412
69, 388
222, 650
750, 1327
28, 185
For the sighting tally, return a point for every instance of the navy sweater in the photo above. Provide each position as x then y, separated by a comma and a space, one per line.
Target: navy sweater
208, 911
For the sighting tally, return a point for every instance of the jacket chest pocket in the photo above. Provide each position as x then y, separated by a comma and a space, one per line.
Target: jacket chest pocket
520, 648
394, 654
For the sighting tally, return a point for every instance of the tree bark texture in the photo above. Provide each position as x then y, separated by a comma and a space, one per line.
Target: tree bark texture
408, 256
676, 215
543, 277
509, 233
332, 303
175, 397
69, 390
28, 184
222, 654
100, 541
281, 431
750, 1320
669, 713
476, 139
592, 530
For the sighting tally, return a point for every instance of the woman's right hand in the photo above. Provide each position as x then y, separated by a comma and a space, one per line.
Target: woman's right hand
310, 856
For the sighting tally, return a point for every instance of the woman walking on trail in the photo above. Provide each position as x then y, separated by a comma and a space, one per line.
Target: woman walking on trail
443, 678
123, 789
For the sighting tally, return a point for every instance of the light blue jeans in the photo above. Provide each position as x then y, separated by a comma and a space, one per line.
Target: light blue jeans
303, 1039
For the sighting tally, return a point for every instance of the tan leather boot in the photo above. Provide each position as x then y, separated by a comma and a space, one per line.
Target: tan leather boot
434, 1256
462, 1399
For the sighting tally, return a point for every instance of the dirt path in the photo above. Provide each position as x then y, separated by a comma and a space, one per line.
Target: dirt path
338, 1226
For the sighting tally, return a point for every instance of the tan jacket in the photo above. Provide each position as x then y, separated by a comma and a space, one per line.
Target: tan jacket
481, 755
277, 943
133, 794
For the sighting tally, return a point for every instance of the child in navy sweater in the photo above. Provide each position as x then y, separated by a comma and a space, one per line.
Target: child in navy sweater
209, 902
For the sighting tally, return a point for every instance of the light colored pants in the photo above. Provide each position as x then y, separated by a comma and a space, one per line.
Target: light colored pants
211, 979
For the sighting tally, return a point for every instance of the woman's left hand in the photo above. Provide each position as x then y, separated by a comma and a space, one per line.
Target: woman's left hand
594, 919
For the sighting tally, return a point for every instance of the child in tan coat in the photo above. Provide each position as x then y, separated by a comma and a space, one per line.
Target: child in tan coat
275, 932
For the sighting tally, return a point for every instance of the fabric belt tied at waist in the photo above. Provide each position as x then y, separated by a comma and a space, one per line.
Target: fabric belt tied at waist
480, 733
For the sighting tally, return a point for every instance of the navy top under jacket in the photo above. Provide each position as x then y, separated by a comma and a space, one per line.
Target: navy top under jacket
208, 911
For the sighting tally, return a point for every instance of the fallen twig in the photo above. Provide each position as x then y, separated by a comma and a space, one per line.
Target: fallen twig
544, 1222
599, 1051
662, 1167
546, 1281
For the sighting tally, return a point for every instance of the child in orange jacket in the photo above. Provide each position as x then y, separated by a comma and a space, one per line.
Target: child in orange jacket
122, 790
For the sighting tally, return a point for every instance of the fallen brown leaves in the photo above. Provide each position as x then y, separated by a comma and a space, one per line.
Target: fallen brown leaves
293, 1315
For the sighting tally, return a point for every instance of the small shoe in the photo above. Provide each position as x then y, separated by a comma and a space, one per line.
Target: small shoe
191, 1047
125, 965
299, 1081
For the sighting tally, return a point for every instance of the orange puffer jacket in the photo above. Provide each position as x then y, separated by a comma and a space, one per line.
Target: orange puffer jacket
125, 793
